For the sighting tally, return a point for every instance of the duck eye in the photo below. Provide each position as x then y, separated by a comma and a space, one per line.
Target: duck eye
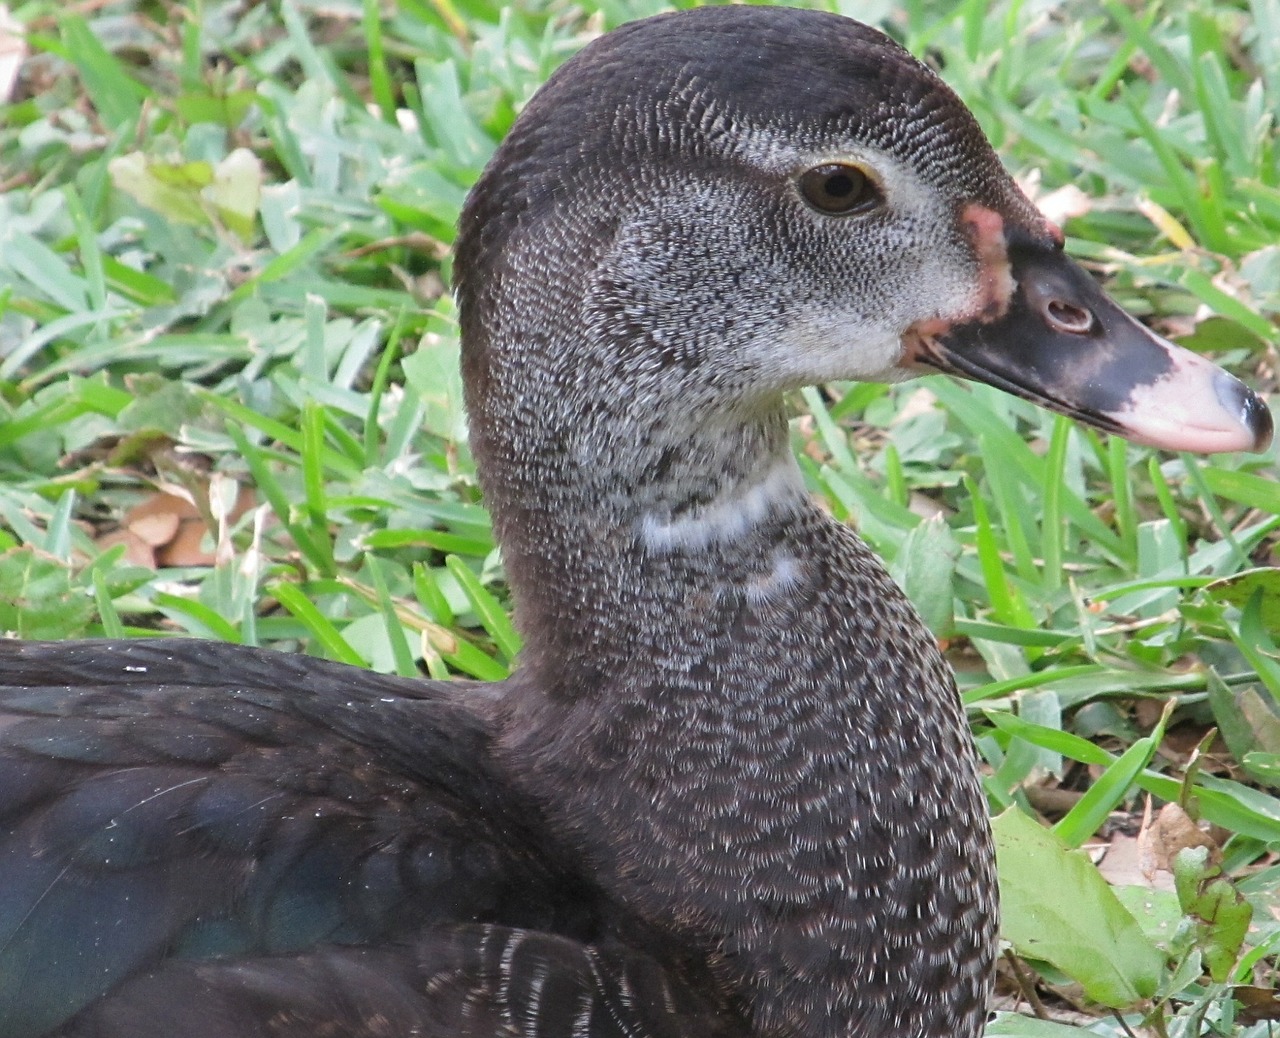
838, 189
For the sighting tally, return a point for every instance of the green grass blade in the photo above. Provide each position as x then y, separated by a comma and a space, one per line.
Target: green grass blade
317, 624
492, 616
400, 651
1109, 789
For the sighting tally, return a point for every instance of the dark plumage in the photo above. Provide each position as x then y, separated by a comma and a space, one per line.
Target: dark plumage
729, 790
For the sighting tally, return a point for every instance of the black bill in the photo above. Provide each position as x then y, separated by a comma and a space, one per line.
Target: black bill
1064, 344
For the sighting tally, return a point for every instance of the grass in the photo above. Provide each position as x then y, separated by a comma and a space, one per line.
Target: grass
224, 241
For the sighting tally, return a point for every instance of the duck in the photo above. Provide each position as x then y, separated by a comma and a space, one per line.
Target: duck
729, 789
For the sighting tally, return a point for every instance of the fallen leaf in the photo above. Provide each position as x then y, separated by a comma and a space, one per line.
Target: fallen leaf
137, 552
1123, 865
1171, 831
156, 519
1257, 1003
167, 529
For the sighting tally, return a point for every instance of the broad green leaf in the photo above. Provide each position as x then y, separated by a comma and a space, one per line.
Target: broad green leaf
236, 192
1222, 915
1013, 1025
432, 371
1249, 722
202, 106
1058, 909
1255, 641
1266, 766
172, 191
1156, 911
37, 597
1240, 587
925, 568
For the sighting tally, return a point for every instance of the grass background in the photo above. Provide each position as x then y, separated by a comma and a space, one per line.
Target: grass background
229, 408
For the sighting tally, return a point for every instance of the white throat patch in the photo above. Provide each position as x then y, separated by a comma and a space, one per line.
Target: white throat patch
731, 515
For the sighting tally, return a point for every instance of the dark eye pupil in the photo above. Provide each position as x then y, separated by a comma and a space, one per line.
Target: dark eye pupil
839, 185
837, 189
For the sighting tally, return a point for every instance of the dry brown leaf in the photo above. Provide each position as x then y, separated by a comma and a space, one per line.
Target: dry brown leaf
1122, 865
137, 552
186, 547
156, 519
1172, 830
1257, 1003
167, 529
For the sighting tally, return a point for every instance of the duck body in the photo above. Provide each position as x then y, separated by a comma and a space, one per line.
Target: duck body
208, 840
729, 790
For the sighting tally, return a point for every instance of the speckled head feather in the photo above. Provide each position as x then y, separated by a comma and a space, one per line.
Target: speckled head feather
686, 88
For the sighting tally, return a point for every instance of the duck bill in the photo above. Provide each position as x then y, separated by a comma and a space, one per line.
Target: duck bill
1062, 343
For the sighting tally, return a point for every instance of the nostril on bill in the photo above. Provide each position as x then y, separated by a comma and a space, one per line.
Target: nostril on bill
1066, 317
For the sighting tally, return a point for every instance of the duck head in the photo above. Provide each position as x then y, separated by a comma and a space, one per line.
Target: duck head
704, 210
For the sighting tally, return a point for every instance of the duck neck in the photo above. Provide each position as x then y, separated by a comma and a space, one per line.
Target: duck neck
749, 734
620, 536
